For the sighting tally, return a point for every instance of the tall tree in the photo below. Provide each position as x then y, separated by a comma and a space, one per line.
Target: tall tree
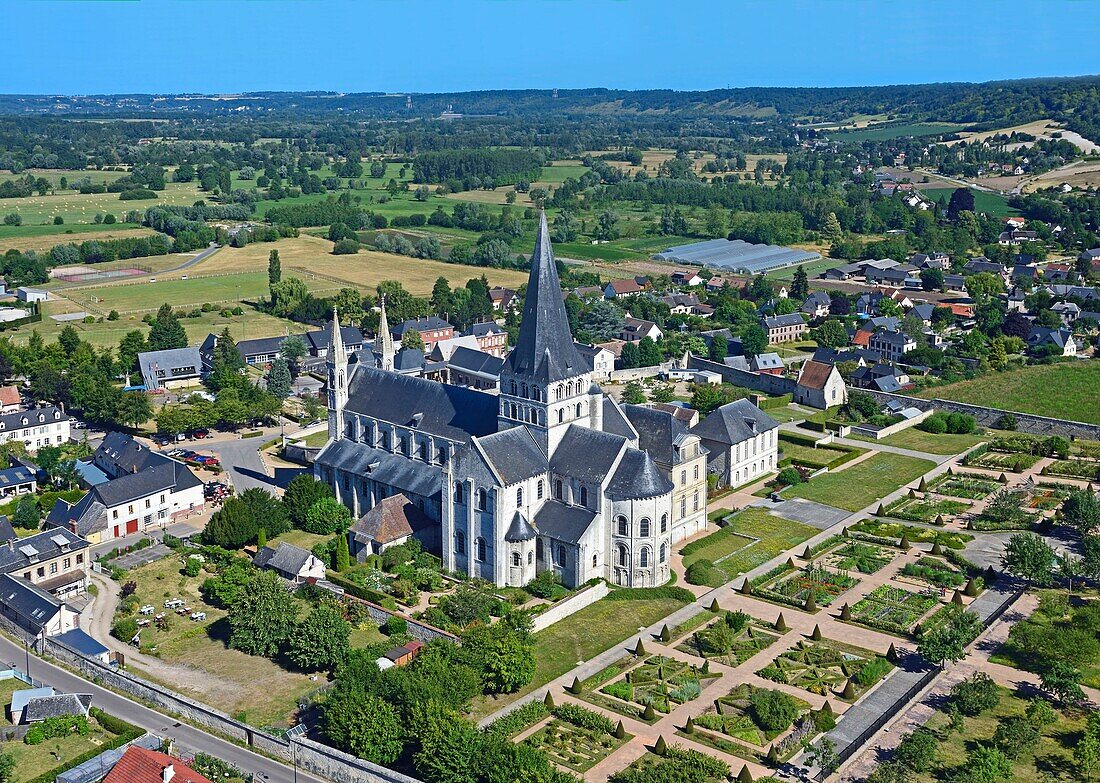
278, 379
166, 332
274, 268
262, 619
800, 286
320, 641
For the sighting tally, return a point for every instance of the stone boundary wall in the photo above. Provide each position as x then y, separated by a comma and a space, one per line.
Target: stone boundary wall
777, 385
380, 614
309, 755
571, 605
1027, 423
637, 373
885, 432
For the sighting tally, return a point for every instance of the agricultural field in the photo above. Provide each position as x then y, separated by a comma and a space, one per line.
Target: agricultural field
75, 208
42, 238
887, 132
751, 538
863, 483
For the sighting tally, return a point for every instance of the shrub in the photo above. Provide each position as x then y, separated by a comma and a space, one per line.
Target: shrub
873, 671
585, 719
396, 626
544, 585
936, 424
772, 710
125, 629
345, 247
192, 566
698, 573
975, 695
789, 476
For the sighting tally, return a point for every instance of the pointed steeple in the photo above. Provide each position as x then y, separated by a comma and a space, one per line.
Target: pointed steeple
544, 351
337, 353
337, 362
385, 350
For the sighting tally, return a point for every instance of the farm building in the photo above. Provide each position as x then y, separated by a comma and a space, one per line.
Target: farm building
737, 255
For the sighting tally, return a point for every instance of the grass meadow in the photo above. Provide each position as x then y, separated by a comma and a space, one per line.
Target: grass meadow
862, 483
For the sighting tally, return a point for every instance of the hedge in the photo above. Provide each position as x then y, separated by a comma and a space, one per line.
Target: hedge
518, 719
126, 733
770, 403
359, 591
651, 594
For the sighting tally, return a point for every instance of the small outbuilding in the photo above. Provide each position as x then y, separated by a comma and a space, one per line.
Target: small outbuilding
391, 522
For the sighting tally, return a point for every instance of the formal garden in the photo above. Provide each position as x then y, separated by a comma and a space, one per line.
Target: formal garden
670, 762
825, 667
1016, 453
893, 609
934, 571
970, 486
1074, 467
808, 588
731, 639
927, 509
894, 532
576, 738
1006, 510
859, 556
745, 540
652, 688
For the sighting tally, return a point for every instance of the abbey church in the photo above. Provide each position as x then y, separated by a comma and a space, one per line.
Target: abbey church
549, 473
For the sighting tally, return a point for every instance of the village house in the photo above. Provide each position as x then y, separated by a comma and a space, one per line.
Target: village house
503, 299
1061, 339
141, 765
291, 563
820, 385
599, 358
784, 328
891, 344
816, 305
634, 329
10, 400
170, 369
54, 561
741, 441
491, 338
431, 329
767, 363
617, 289
46, 425
685, 277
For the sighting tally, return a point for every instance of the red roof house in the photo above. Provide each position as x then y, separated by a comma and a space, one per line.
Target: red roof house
139, 765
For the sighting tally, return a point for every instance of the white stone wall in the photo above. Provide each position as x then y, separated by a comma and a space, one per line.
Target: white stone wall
635, 559
753, 457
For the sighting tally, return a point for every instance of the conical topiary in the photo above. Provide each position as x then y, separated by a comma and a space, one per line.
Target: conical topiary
940, 520
971, 588
746, 588
660, 747
689, 727
827, 708
576, 688
990, 574
781, 624
892, 654
951, 471
714, 607
844, 532
628, 676
706, 666
811, 603
773, 756
957, 598
639, 648
846, 613
649, 714
816, 635
881, 510
549, 701
970, 524
744, 776
620, 730
912, 493
807, 554
937, 549
666, 635
791, 563
923, 487
904, 543
849, 692
1003, 479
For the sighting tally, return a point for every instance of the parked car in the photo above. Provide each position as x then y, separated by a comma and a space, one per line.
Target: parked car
200, 434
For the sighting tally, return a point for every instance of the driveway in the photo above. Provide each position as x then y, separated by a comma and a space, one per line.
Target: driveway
246, 468
141, 557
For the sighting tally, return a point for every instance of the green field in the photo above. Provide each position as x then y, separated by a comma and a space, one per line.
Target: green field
919, 440
1066, 390
64, 233
887, 132
76, 207
581, 636
560, 172
751, 538
863, 483
595, 252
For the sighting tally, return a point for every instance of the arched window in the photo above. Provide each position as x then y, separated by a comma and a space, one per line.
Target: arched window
519, 496
539, 490
643, 557
561, 415
623, 556
559, 391
561, 555
482, 497
578, 410
459, 493
622, 526
515, 559
557, 488
422, 452
664, 523
441, 455
536, 393
401, 445
569, 389
482, 550
595, 560
664, 552
460, 542
643, 528
530, 557
524, 390
584, 496
513, 407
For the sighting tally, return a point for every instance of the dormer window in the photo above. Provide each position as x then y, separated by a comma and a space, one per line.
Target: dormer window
41, 417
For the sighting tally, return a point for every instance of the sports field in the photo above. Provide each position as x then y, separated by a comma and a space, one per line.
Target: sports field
1029, 390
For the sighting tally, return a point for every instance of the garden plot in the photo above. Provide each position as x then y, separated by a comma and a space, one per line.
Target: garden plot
934, 571
1002, 460
734, 715
576, 738
659, 682
1047, 496
797, 588
892, 609
927, 510
861, 557
913, 534
966, 486
824, 667
731, 640
1074, 468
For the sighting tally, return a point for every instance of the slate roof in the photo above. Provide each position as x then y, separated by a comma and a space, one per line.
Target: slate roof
186, 359
82, 642
520, 529
513, 453
924, 311
734, 422
139, 765
448, 411
638, 477
616, 420
891, 337
766, 361
408, 359
484, 329
287, 558
544, 349
38, 548
31, 606
407, 475
88, 514
477, 362
562, 522
429, 323
7, 532
779, 321
1041, 336
657, 431
391, 519
34, 417
587, 455
56, 706
320, 341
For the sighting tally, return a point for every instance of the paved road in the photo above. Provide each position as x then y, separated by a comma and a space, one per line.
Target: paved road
211, 250
188, 737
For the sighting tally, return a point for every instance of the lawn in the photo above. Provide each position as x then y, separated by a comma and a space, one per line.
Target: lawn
581, 636
919, 440
1028, 390
732, 549
299, 538
207, 669
34, 760
863, 483
799, 452
1051, 759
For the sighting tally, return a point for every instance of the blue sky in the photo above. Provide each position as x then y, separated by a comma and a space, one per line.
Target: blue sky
108, 46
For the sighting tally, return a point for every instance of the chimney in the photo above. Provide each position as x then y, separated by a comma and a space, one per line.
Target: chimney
168, 773
11, 544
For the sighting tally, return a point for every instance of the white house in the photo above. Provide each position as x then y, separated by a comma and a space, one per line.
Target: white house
291, 563
44, 426
25, 294
742, 442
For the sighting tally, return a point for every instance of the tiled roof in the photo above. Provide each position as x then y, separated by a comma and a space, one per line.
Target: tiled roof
139, 765
392, 519
814, 375
9, 395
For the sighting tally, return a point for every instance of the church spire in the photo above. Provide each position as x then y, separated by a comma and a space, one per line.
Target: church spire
337, 361
545, 350
337, 352
385, 350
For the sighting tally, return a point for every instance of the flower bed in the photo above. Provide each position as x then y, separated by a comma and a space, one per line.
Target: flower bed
1074, 468
1000, 460
935, 572
857, 556
964, 485
916, 535
927, 510
795, 589
659, 682
577, 738
826, 666
732, 639
892, 609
